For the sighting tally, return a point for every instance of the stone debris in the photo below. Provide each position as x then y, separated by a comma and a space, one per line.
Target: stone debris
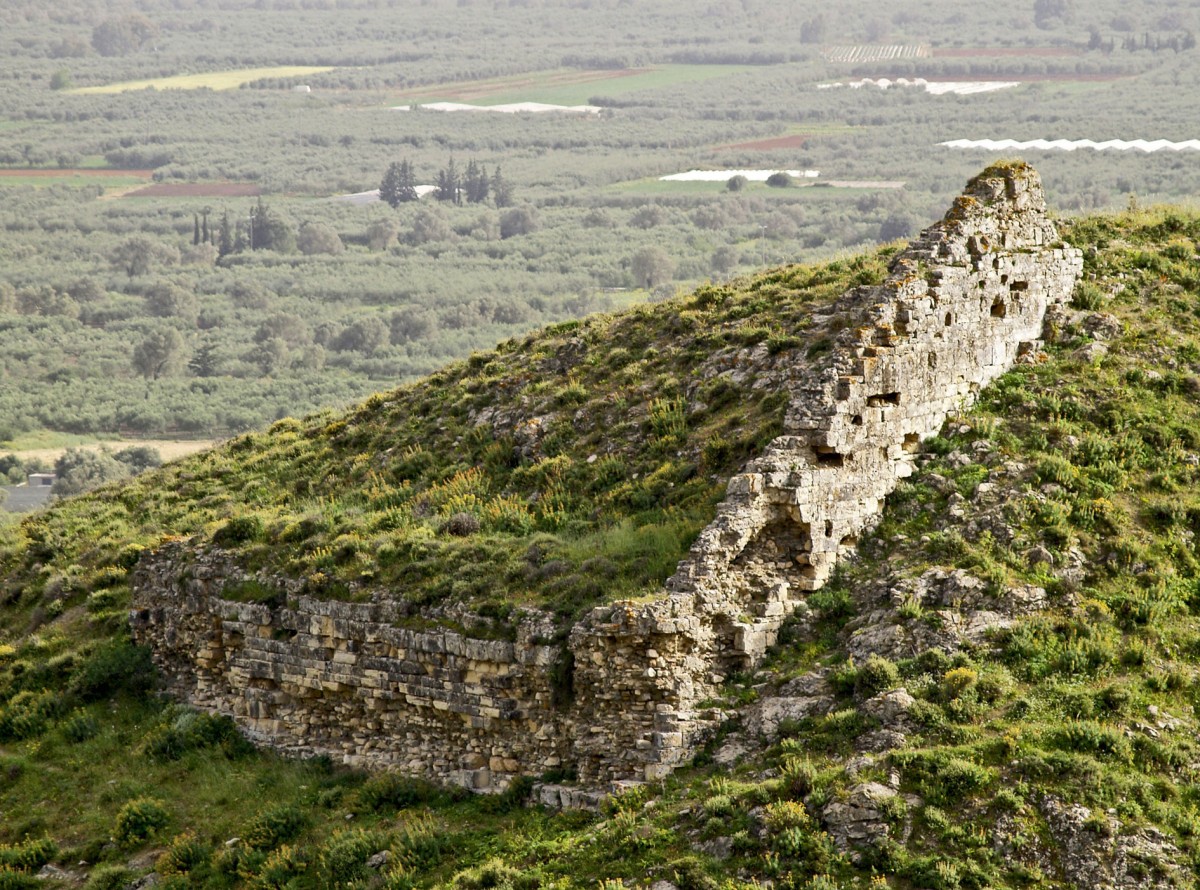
630, 695
860, 820
1091, 851
966, 613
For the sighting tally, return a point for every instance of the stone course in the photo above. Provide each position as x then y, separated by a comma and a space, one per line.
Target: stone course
627, 699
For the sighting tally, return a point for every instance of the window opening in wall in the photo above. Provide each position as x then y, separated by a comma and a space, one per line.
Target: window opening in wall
883, 398
999, 310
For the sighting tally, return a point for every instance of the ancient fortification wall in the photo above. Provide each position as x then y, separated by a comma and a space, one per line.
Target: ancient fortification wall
959, 308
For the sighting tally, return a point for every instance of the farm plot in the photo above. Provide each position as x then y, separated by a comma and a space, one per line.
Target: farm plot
876, 53
197, 190
566, 87
213, 80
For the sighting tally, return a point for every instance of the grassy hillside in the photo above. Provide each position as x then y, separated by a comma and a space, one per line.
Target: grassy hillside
1072, 486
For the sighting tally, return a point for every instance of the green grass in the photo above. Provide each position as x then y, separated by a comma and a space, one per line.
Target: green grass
213, 80
547, 86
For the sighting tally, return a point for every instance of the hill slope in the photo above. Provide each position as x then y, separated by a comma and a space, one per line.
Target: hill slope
998, 692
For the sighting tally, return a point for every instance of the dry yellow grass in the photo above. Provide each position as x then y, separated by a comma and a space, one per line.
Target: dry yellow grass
170, 449
213, 80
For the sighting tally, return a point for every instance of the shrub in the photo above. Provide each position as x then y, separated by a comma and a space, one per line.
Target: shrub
957, 681
184, 730
138, 821
390, 791
344, 858
876, 675
785, 814
25, 715
797, 776
80, 727
1088, 296
16, 880
110, 877
239, 530
115, 667
274, 826
279, 870
461, 525
28, 856
184, 855
736, 183
495, 873
779, 180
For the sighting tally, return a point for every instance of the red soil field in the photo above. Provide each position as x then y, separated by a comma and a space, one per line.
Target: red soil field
197, 190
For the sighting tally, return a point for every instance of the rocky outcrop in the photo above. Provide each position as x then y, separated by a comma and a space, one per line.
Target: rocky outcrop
629, 696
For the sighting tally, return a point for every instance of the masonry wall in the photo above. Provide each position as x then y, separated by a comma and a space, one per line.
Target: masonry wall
312, 676
960, 307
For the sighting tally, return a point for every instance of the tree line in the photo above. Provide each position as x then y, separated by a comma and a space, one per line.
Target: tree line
472, 186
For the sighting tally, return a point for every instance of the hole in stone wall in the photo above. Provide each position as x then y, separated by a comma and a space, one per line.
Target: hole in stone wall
828, 528
1004, 279
996, 263
1018, 286
933, 361
999, 310
949, 319
856, 420
912, 443
830, 459
883, 398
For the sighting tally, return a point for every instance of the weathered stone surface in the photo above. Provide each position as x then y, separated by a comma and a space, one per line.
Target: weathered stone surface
966, 614
859, 821
1092, 852
960, 306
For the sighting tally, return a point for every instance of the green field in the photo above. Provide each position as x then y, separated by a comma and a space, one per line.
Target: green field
569, 87
213, 80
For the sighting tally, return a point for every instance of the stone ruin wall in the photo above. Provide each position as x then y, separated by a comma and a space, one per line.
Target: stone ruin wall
959, 308
348, 680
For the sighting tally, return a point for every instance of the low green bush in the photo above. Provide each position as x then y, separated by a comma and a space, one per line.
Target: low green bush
274, 826
138, 821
